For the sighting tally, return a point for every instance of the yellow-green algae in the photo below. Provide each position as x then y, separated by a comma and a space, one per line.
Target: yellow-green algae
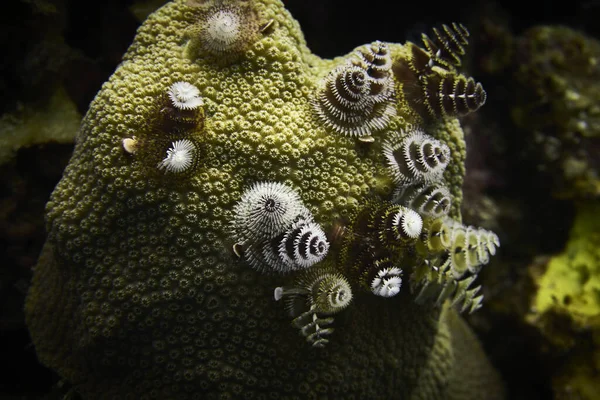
138, 294
30, 125
571, 282
567, 306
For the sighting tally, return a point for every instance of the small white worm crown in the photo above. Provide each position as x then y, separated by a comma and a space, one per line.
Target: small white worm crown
184, 96
180, 157
406, 224
276, 230
356, 99
415, 157
397, 224
429, 200
387, 282
222, 30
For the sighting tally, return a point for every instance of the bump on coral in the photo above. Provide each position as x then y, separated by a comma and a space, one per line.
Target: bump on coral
138, 293
223, 32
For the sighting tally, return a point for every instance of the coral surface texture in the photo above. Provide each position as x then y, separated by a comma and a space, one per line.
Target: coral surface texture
242, 219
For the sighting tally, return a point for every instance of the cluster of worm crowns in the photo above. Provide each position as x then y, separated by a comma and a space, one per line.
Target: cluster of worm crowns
171, 145
406, 239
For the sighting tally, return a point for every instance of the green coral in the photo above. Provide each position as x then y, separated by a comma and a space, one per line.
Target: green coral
139, 292
567, 306
571, 282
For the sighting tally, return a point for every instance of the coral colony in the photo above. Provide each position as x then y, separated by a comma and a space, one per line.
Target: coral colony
242, 219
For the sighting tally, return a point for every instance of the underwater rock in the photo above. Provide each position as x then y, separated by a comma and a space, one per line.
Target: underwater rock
148, 285
557, 104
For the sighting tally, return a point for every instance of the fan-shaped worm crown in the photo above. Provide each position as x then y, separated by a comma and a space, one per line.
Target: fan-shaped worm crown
178, 110
314, 296
468, 247
433, 282
180, 157
429, 200
414, 157
447, 45
356, 99
275, 230
452, 95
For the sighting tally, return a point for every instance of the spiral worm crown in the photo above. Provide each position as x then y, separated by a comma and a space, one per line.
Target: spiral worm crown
415, 157
356, 99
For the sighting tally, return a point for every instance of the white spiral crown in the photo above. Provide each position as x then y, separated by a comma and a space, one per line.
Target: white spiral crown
387, 282
431, 201
180, 157
276, 231
415, 157
184, 96
304, 245
265, 211
356, 99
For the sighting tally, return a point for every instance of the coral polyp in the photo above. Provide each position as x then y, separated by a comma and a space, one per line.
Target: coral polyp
242, 219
